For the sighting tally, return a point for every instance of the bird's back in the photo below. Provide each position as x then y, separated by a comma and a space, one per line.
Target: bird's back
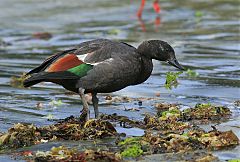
98, 66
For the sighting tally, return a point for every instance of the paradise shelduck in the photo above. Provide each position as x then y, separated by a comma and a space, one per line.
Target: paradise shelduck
101, 66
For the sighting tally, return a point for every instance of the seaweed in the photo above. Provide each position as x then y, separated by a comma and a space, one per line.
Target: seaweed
191, 73
55, 103
201, 113
165, 125
198, 14
72, 129
132, 151
64, 154
173, 113
132, 147
206, 112
216, 140
170, 130
171, 79
163, 107
196, 139
234, 160
122, 120
17, 81
149, 122
22, 135
193, 156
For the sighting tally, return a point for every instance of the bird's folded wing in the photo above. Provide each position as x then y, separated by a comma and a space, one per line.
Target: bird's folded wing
113, 71
81, 51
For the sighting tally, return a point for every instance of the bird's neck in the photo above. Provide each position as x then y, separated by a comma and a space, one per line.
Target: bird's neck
146, 70
145, 50
145, 54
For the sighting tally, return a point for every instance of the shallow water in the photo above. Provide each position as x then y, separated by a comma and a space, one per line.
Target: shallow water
207, 43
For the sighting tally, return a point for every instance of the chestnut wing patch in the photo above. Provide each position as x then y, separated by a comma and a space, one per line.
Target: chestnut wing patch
71, 63
67, 62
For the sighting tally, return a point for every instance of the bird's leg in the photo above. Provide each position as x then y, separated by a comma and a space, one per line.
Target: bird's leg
85, 111
140, 10
95, 104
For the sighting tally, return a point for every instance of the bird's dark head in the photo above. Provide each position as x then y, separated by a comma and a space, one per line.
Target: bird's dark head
159, 50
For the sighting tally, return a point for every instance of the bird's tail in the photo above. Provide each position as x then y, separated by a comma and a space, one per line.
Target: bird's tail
32, 80
48, 77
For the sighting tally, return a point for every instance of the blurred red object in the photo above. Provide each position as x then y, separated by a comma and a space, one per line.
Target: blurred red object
140, 10
142, 24
156, 8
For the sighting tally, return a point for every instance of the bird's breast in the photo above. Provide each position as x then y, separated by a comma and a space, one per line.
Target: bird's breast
146, 70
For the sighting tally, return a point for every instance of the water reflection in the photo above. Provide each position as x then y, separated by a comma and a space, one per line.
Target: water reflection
142, 24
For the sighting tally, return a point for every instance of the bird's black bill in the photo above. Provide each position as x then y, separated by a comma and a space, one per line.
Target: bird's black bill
176, 64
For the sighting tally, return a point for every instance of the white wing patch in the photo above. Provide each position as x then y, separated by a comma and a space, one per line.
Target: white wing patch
106, 61
82, 57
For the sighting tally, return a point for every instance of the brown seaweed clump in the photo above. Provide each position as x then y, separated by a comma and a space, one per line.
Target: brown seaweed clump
206, 113
124, 121
192, 140
64, 154
193, 156
201, 113
171, 143
168, 124
150, 122
160, 107
21, 135
216, 140
195, 139
167, 119
73, 130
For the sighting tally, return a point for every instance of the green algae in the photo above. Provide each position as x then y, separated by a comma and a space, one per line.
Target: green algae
203, 105
171, 79
191, 73
56, 103
17, 81
171, 113
132, 147
198, 14
131, 140
234, 160
132, 151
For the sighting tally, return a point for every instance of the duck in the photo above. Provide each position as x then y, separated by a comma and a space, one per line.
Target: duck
101, 66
